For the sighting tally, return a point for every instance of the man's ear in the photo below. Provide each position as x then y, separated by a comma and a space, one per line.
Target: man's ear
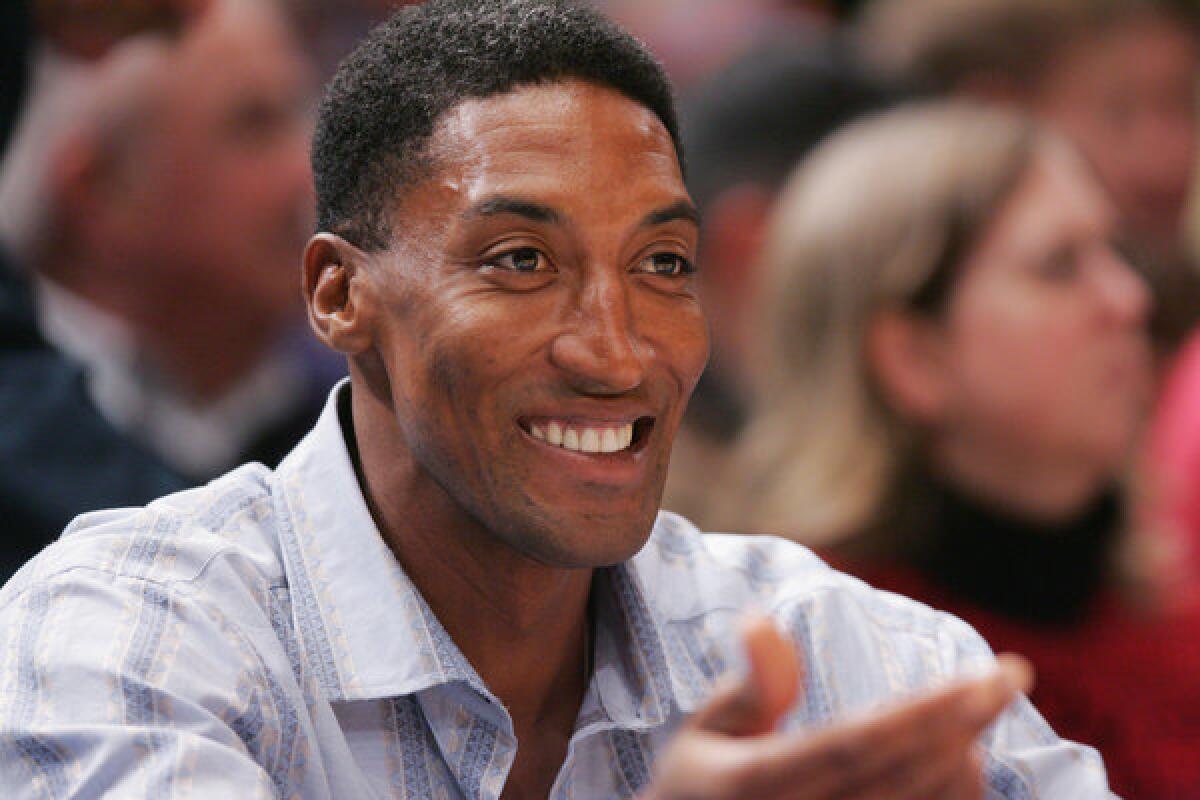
905, 357
338, 294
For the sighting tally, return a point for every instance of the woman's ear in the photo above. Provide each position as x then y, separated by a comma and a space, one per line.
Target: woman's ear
338, 294
906, 359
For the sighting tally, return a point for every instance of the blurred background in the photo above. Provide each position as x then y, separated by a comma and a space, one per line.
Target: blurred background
948, 258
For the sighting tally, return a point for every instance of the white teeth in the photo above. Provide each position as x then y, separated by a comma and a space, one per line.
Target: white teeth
584, 440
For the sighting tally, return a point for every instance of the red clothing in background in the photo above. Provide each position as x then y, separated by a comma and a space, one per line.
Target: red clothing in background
1125, 684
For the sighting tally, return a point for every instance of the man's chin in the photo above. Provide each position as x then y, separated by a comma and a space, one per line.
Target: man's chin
585, 542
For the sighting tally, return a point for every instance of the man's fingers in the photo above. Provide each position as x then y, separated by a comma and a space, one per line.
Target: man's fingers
925, 747
1017, 670
919, 739
947, 774
966, 707
770, 687
1013, 676
775, 669
968, 782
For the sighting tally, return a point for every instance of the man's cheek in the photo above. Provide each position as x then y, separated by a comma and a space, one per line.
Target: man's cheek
685, 347
698, 340
693, 367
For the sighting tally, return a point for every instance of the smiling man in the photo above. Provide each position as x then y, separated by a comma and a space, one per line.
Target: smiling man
459, 585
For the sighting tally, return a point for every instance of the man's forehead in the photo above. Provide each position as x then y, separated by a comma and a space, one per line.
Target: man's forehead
562, 144
568, 121
568, 145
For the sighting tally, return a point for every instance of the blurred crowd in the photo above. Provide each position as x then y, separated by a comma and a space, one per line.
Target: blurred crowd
948, 260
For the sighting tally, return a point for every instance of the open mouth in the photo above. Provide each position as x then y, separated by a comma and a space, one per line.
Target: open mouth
593, 437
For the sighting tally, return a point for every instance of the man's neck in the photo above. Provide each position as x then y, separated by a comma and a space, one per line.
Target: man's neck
524, 628
523, 625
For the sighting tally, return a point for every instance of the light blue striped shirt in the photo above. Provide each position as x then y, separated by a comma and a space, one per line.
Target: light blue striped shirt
256, 638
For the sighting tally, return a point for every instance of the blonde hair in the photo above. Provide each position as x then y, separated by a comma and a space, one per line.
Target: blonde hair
880, 217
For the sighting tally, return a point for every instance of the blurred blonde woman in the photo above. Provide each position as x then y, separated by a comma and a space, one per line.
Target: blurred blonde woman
956, 369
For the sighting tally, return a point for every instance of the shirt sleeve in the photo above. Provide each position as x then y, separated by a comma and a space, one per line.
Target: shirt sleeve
1024, 759
118, 687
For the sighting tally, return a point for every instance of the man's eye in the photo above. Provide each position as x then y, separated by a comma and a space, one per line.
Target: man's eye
666, 264
524, 259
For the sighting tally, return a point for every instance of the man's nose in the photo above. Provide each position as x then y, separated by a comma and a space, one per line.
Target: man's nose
601, 351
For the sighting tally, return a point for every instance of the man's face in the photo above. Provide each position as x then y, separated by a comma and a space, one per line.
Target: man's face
1127, 96
538, 325
229, 197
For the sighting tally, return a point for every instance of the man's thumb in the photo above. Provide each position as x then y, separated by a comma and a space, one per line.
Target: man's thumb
771, 686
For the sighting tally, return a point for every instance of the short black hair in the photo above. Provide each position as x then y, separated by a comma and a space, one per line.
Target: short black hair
386, 98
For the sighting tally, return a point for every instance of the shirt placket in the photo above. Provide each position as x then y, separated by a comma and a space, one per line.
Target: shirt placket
475, 736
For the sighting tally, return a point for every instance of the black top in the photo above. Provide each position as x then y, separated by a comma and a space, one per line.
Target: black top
58, 456
15, 35
1033, 571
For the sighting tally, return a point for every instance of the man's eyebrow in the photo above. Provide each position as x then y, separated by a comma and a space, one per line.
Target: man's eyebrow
514, 205
682, 209
679, 210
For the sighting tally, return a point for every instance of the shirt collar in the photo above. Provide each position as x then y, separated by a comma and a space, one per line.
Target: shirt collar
366, 631
87, 333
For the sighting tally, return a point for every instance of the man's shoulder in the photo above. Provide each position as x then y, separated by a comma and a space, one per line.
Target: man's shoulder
781, 578
226, 527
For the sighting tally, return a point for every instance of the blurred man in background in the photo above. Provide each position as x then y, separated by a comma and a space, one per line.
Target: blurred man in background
165, 251
1118, 77
58, 455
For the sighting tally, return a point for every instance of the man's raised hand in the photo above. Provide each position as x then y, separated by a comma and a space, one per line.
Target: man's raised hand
923, 748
